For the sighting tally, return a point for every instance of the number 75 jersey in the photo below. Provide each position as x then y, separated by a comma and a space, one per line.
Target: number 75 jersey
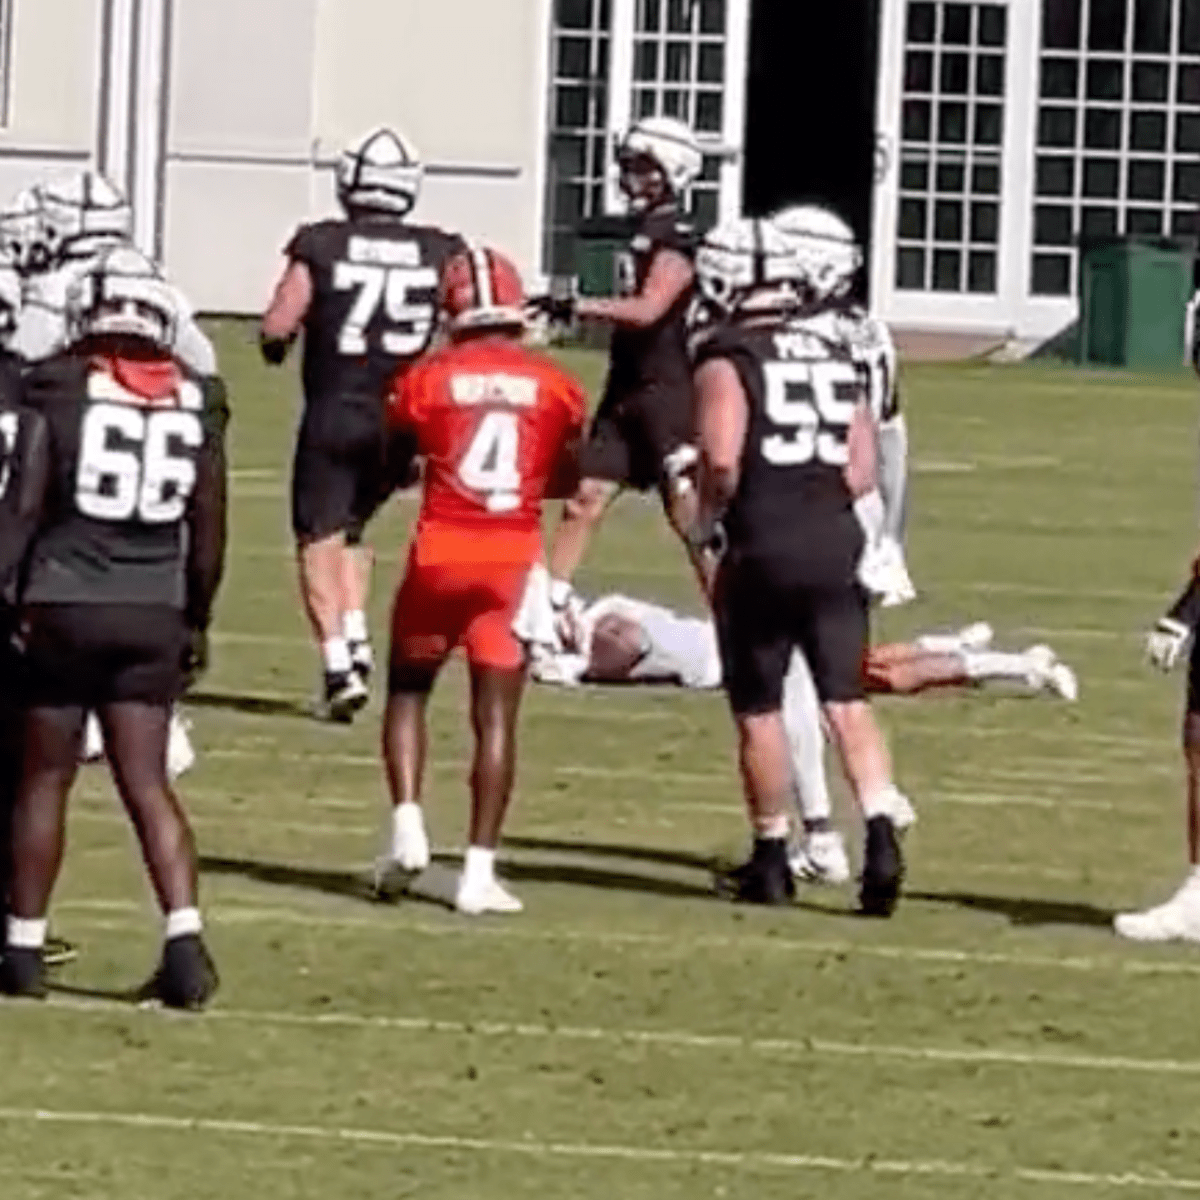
495, 423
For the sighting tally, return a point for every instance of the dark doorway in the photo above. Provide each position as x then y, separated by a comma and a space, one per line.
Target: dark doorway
810, 107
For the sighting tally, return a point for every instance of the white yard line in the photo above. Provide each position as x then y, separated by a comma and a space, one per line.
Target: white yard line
530, 1148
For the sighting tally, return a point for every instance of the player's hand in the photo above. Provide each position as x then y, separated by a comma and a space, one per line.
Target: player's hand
559, 310
195, 658
568, 615
1165, 642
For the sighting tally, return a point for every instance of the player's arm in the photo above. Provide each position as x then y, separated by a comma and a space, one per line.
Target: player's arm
722, 417
25, 471
862, 467
1165, 642
671, 274
286, 312
207, 516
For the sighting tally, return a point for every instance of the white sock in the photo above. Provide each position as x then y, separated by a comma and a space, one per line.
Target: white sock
940, 643
881, 803
181, 922
26, 934
994, 664
479, 866
354, 626
802, 721
771, 829
336, 655
404, 817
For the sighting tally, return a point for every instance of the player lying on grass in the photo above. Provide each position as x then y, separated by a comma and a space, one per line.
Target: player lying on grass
497, 426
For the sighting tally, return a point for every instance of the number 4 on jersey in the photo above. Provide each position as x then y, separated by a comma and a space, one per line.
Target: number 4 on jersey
490, 463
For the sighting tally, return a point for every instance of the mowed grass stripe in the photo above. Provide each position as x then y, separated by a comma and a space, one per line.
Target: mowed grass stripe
532, 1148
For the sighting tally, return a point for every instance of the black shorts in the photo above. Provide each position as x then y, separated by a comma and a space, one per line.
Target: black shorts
763, 613
91, 655
632, 435
1193, 680
337, 476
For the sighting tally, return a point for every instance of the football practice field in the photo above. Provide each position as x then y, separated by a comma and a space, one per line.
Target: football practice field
632, 1035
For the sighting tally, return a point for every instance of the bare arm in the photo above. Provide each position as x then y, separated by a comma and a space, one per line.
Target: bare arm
722, 416
861, 472
671, 274
287, 310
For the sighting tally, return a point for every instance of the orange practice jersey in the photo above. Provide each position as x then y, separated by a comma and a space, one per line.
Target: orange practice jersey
492, 420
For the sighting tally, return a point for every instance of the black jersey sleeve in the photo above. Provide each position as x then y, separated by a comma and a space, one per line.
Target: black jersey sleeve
208, 510
730, 343
304, 244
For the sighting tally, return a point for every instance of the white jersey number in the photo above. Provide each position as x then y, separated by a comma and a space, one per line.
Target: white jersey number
142, 479
8, 447
393, 288
811, 404
490, 463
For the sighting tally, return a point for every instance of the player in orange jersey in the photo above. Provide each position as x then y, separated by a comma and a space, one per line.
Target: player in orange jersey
497, 425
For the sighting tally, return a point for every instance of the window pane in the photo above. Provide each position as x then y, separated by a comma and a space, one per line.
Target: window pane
574, 14
916, 120
645, 60
712, 63
985, 221
1187, 91
1060, 24
1051, 275
601, 68
1100, 177
956, 24
1106, 25
712, 16
985, 179
914, 175
918, 71
992, 24
1187, 133
568, 203
1105, 80
910, 268
951, 176
679, 16
599, 160
1051, 225
1145, 221
650, 15
922, 21
571, 107
1147, 179
1187, 182
599, 105
912, 219
981, 271
947, 270
1152, 26
675, 104
645, 103
1102, 129
1189, 28
709, 112
989, 75
1185, 222
705, 207
1148, 131
1060, 78
948, 221
952, 122
679, 62
1151, 81
1055, 176
989, 124
568, 156
1098, 222
710, 172
955, 74
574, 57
1056, 127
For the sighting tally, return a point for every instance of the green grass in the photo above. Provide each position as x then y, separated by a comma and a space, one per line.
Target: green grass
631, 1035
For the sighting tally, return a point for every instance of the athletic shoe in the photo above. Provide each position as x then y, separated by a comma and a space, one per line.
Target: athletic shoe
345, 694
23, 973
93, 740
362, 661
1048, 674
766, 876
409, 852
821, 858
181, 756
186, 976
488, 897
883, 868
1176, 921
57, 952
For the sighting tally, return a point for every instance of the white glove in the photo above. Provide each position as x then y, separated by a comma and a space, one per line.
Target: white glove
1165, 642
568, 614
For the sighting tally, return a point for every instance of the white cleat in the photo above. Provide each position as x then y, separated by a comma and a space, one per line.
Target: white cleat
181, 755
1176, 921
410, 842
1048, 674
487, 897
93, 740
975, 637
821, 858
901, 812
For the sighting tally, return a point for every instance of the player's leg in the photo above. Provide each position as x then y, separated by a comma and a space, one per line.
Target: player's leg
909, 668
370, 493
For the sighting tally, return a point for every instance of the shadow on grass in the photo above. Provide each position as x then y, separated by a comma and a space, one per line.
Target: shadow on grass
255, 706
1023, 910
312, 879
649, 854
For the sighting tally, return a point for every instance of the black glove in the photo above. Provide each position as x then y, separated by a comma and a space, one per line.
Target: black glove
560, 310
274, 349
195, 657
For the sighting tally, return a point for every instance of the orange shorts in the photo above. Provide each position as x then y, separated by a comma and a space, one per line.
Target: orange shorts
444, 605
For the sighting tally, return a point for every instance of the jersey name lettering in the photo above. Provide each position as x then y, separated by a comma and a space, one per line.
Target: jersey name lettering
517, 390
384, 253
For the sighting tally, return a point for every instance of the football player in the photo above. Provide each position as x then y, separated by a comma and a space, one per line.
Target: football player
787, 442
119, 584
497, 426
364, 290
643, 433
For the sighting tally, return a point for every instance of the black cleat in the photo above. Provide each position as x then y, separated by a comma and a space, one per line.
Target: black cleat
23, 973
345, 694
186, 977
883, 869
57, 952
765, 878
362, 661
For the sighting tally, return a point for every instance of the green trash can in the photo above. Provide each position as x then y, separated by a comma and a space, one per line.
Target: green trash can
600, 242
1133, 296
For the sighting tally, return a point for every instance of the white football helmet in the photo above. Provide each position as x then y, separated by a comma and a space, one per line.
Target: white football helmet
745, 266
22, 232
825, 248
670, 144
82, 215
380, 172
124, 294
10, 295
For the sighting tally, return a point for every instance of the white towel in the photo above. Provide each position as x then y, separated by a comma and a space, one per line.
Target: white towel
534, 621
